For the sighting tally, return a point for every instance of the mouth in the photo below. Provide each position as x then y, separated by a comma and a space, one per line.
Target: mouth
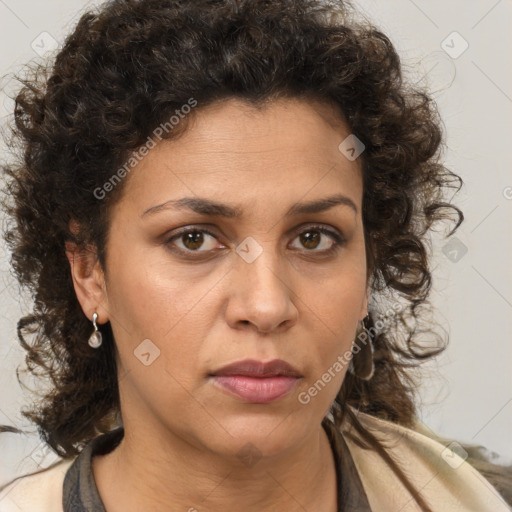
255, 381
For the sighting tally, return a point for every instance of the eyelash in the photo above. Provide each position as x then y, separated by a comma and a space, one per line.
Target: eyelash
339, 241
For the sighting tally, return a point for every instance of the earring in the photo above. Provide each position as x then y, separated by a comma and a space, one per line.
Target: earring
362, 365
95, 339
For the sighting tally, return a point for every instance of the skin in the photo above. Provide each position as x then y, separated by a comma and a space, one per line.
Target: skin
183, 433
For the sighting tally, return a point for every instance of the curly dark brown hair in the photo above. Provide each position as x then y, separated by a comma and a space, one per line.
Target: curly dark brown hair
126, 69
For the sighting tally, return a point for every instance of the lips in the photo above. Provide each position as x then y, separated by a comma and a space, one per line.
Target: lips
254, 368
255, 381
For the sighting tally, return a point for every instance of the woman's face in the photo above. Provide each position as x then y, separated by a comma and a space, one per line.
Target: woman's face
191, 289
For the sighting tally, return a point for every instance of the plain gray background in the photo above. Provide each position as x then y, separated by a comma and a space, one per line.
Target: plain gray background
467, 393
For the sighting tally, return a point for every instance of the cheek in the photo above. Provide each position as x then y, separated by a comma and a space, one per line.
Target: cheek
154, 301
149, 297
336, 304
334, 317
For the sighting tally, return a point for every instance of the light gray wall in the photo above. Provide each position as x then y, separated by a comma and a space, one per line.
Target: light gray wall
467, 395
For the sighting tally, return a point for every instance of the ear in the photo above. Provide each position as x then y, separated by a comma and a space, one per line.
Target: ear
88, 279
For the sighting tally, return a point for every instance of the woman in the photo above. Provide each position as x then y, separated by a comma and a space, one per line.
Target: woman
221, 210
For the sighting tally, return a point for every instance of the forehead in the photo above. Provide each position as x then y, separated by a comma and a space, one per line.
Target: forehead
231, 151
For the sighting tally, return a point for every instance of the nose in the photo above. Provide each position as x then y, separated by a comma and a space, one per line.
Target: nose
261, 294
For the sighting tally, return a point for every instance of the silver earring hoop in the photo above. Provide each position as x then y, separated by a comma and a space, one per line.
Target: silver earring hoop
95, 339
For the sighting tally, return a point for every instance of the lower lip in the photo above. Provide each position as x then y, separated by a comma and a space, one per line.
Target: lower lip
256, 389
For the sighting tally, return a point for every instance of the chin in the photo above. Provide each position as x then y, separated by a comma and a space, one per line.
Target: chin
259, 432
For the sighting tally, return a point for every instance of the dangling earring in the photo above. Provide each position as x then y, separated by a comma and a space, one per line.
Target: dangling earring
95, 339
362, 365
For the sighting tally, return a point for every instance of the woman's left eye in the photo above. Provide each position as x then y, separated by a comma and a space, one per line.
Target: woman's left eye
312, 239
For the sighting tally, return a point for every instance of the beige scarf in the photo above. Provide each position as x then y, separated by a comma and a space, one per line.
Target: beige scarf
446, 481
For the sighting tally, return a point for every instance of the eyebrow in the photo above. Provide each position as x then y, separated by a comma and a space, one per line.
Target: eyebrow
205, 206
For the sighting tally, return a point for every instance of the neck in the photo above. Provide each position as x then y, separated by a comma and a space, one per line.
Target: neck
143, 474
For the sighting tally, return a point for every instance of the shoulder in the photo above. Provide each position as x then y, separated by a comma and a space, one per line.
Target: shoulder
41, 491
441, 473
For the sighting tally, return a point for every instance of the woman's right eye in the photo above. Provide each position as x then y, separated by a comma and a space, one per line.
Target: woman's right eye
191, 240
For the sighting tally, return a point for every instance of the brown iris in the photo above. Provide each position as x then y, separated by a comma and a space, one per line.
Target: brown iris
309, 237
196, 238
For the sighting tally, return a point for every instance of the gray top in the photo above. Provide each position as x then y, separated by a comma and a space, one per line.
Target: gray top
80, 493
